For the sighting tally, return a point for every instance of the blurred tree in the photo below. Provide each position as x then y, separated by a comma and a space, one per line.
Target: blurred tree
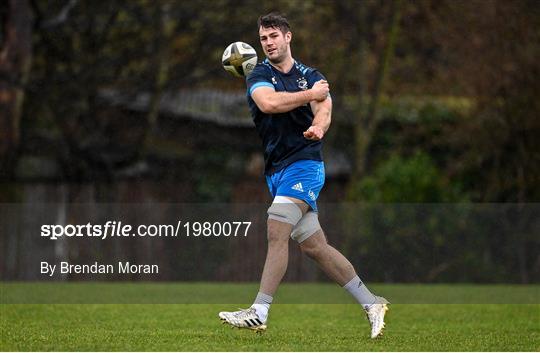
144, 48
366, 124
165, 27
95, 46
496, 62
414, 179
15, 64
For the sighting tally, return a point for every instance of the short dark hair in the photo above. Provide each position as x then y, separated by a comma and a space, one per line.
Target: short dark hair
274, 20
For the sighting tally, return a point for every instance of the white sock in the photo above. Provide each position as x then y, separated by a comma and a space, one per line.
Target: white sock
360, 292
262, 305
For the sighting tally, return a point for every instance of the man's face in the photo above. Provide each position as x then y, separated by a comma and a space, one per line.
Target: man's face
275, 43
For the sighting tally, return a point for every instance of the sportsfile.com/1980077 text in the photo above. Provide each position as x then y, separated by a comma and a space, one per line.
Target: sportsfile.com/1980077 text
119, 229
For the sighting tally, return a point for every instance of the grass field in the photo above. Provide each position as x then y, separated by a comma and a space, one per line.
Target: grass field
292, 327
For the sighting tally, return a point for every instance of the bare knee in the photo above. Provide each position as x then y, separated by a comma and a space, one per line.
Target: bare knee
314, 252
315, 246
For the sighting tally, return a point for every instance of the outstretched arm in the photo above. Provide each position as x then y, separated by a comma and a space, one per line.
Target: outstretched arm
271, 102
321, 121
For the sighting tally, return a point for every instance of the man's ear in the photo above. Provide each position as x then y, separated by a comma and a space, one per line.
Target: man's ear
288, 37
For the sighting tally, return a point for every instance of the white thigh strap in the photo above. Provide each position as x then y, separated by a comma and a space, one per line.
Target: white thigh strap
306, 227
285, 210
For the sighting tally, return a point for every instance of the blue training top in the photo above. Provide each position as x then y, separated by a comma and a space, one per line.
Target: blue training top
282, 134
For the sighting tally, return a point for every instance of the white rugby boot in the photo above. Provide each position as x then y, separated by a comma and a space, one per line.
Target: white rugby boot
375, 314
244, 318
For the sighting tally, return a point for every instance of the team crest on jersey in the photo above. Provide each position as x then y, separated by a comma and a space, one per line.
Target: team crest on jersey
302, 83
274, 81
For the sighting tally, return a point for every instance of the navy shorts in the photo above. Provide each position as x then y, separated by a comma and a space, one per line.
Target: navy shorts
302, 180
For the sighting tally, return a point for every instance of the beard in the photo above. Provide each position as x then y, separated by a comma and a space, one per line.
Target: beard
282, 55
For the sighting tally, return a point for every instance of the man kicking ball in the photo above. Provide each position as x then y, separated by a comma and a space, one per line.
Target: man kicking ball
292, 108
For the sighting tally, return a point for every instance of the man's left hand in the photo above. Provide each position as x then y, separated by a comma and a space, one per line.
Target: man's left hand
314, 133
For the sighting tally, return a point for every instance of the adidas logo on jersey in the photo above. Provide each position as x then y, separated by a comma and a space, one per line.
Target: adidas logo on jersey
298, 187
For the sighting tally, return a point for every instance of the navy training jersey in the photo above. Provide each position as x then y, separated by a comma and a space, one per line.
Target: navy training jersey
282, 133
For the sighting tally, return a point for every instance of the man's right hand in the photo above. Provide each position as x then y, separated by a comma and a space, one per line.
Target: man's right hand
320, 90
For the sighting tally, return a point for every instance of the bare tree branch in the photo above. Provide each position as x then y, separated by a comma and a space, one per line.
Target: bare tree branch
61, 17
